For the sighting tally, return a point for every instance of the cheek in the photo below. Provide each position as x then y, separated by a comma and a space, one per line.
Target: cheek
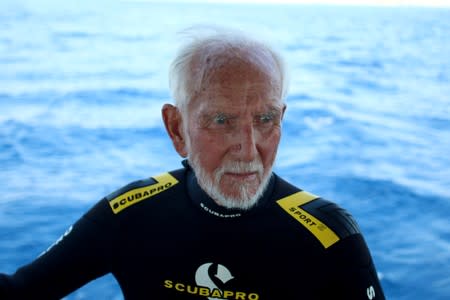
268, 148
209, 149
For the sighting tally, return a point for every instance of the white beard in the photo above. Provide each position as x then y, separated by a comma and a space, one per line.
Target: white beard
211, 184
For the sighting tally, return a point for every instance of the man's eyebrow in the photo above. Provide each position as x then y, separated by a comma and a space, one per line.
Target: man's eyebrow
223, 110
275, 108
216, 112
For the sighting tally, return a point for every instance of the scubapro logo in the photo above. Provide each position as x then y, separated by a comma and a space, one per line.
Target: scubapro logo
214, 277
210, 282
370, 293
203, 278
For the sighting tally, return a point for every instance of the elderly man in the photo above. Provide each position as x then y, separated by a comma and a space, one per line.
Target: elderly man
224, 226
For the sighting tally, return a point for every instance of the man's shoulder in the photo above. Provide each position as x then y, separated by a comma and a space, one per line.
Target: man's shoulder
143, 190
324, 219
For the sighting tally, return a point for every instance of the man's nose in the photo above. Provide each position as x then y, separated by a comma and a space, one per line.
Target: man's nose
244, 143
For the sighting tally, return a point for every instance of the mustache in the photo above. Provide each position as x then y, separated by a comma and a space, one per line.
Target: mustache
241, 167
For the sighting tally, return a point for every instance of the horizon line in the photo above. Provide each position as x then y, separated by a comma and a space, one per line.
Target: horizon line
374, 3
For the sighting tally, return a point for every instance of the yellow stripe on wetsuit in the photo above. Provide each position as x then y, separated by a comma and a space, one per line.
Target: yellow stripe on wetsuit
131, 197
291, 204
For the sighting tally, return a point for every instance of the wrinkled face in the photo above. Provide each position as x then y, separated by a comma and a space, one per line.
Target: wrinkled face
233, 131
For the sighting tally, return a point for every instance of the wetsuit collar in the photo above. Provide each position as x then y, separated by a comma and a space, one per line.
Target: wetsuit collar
208, 205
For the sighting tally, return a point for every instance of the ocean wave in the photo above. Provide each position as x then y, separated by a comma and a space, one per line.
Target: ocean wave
119, 108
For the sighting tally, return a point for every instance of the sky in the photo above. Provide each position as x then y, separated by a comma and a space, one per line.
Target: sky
434, 3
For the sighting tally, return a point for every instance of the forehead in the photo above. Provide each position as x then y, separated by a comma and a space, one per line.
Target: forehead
238, 84
237, 98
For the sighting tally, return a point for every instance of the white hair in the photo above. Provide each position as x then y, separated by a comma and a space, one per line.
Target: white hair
210, 47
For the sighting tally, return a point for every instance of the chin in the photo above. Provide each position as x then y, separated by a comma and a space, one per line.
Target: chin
236, 202
244, 195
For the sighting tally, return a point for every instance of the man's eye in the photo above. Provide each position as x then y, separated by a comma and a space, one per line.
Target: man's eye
220, 119
266, 118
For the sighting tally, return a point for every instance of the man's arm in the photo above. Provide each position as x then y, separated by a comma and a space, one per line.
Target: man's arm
351, 272
353, 275
82, 254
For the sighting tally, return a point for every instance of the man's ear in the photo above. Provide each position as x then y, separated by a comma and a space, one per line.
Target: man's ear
283, 111
174, 125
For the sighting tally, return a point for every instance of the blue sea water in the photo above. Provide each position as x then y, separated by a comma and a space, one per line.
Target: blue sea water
367, 125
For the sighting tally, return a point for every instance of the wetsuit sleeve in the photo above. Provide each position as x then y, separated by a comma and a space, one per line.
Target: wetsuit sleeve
353, 275
82, 254
350, 272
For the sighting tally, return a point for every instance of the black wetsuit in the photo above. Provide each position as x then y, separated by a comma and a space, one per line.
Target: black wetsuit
163, 238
